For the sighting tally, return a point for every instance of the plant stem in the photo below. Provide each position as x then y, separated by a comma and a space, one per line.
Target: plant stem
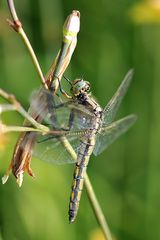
33, 56
12, 10
5, 129
70, 30
97, 209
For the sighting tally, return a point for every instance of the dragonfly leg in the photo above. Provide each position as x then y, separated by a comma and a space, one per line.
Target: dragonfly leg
64, 104
67, 79
63, 91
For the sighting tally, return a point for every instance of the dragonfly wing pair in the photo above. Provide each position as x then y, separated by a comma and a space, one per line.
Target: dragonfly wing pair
112, 130
76, 118
52, 150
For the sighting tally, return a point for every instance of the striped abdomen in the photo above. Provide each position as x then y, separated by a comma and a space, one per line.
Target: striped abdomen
83, 155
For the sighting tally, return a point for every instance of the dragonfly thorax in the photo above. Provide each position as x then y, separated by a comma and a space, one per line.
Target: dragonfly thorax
79, 87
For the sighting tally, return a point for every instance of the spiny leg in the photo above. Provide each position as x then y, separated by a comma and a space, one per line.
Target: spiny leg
63, 91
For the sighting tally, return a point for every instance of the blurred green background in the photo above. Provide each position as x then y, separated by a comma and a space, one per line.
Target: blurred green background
115, 36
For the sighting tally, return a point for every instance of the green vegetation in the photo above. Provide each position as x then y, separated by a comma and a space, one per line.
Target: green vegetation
125, 177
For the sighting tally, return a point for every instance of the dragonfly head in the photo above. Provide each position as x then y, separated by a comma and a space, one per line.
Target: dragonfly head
80, 86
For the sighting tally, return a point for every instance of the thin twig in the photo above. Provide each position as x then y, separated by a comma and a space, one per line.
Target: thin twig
97, 209
12, 10
5, 129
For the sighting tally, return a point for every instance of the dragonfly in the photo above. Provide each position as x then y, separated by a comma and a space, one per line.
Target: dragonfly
81, 124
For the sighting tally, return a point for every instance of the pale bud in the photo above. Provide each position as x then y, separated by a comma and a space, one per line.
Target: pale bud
71, 26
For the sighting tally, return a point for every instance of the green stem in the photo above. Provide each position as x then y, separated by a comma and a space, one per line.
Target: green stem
31, 120
5, 129
33, 56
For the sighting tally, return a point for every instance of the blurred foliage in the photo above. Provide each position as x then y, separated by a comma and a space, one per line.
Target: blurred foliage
126, 176
146, 12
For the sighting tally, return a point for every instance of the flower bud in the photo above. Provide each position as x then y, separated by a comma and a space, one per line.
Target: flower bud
71, 26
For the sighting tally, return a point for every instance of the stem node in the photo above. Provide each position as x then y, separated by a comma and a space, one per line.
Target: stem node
16, 24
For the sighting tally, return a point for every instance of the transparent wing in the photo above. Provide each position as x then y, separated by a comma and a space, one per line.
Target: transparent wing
111, 132
38, 104
65, 119
60, 114
54, 149
113, 105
